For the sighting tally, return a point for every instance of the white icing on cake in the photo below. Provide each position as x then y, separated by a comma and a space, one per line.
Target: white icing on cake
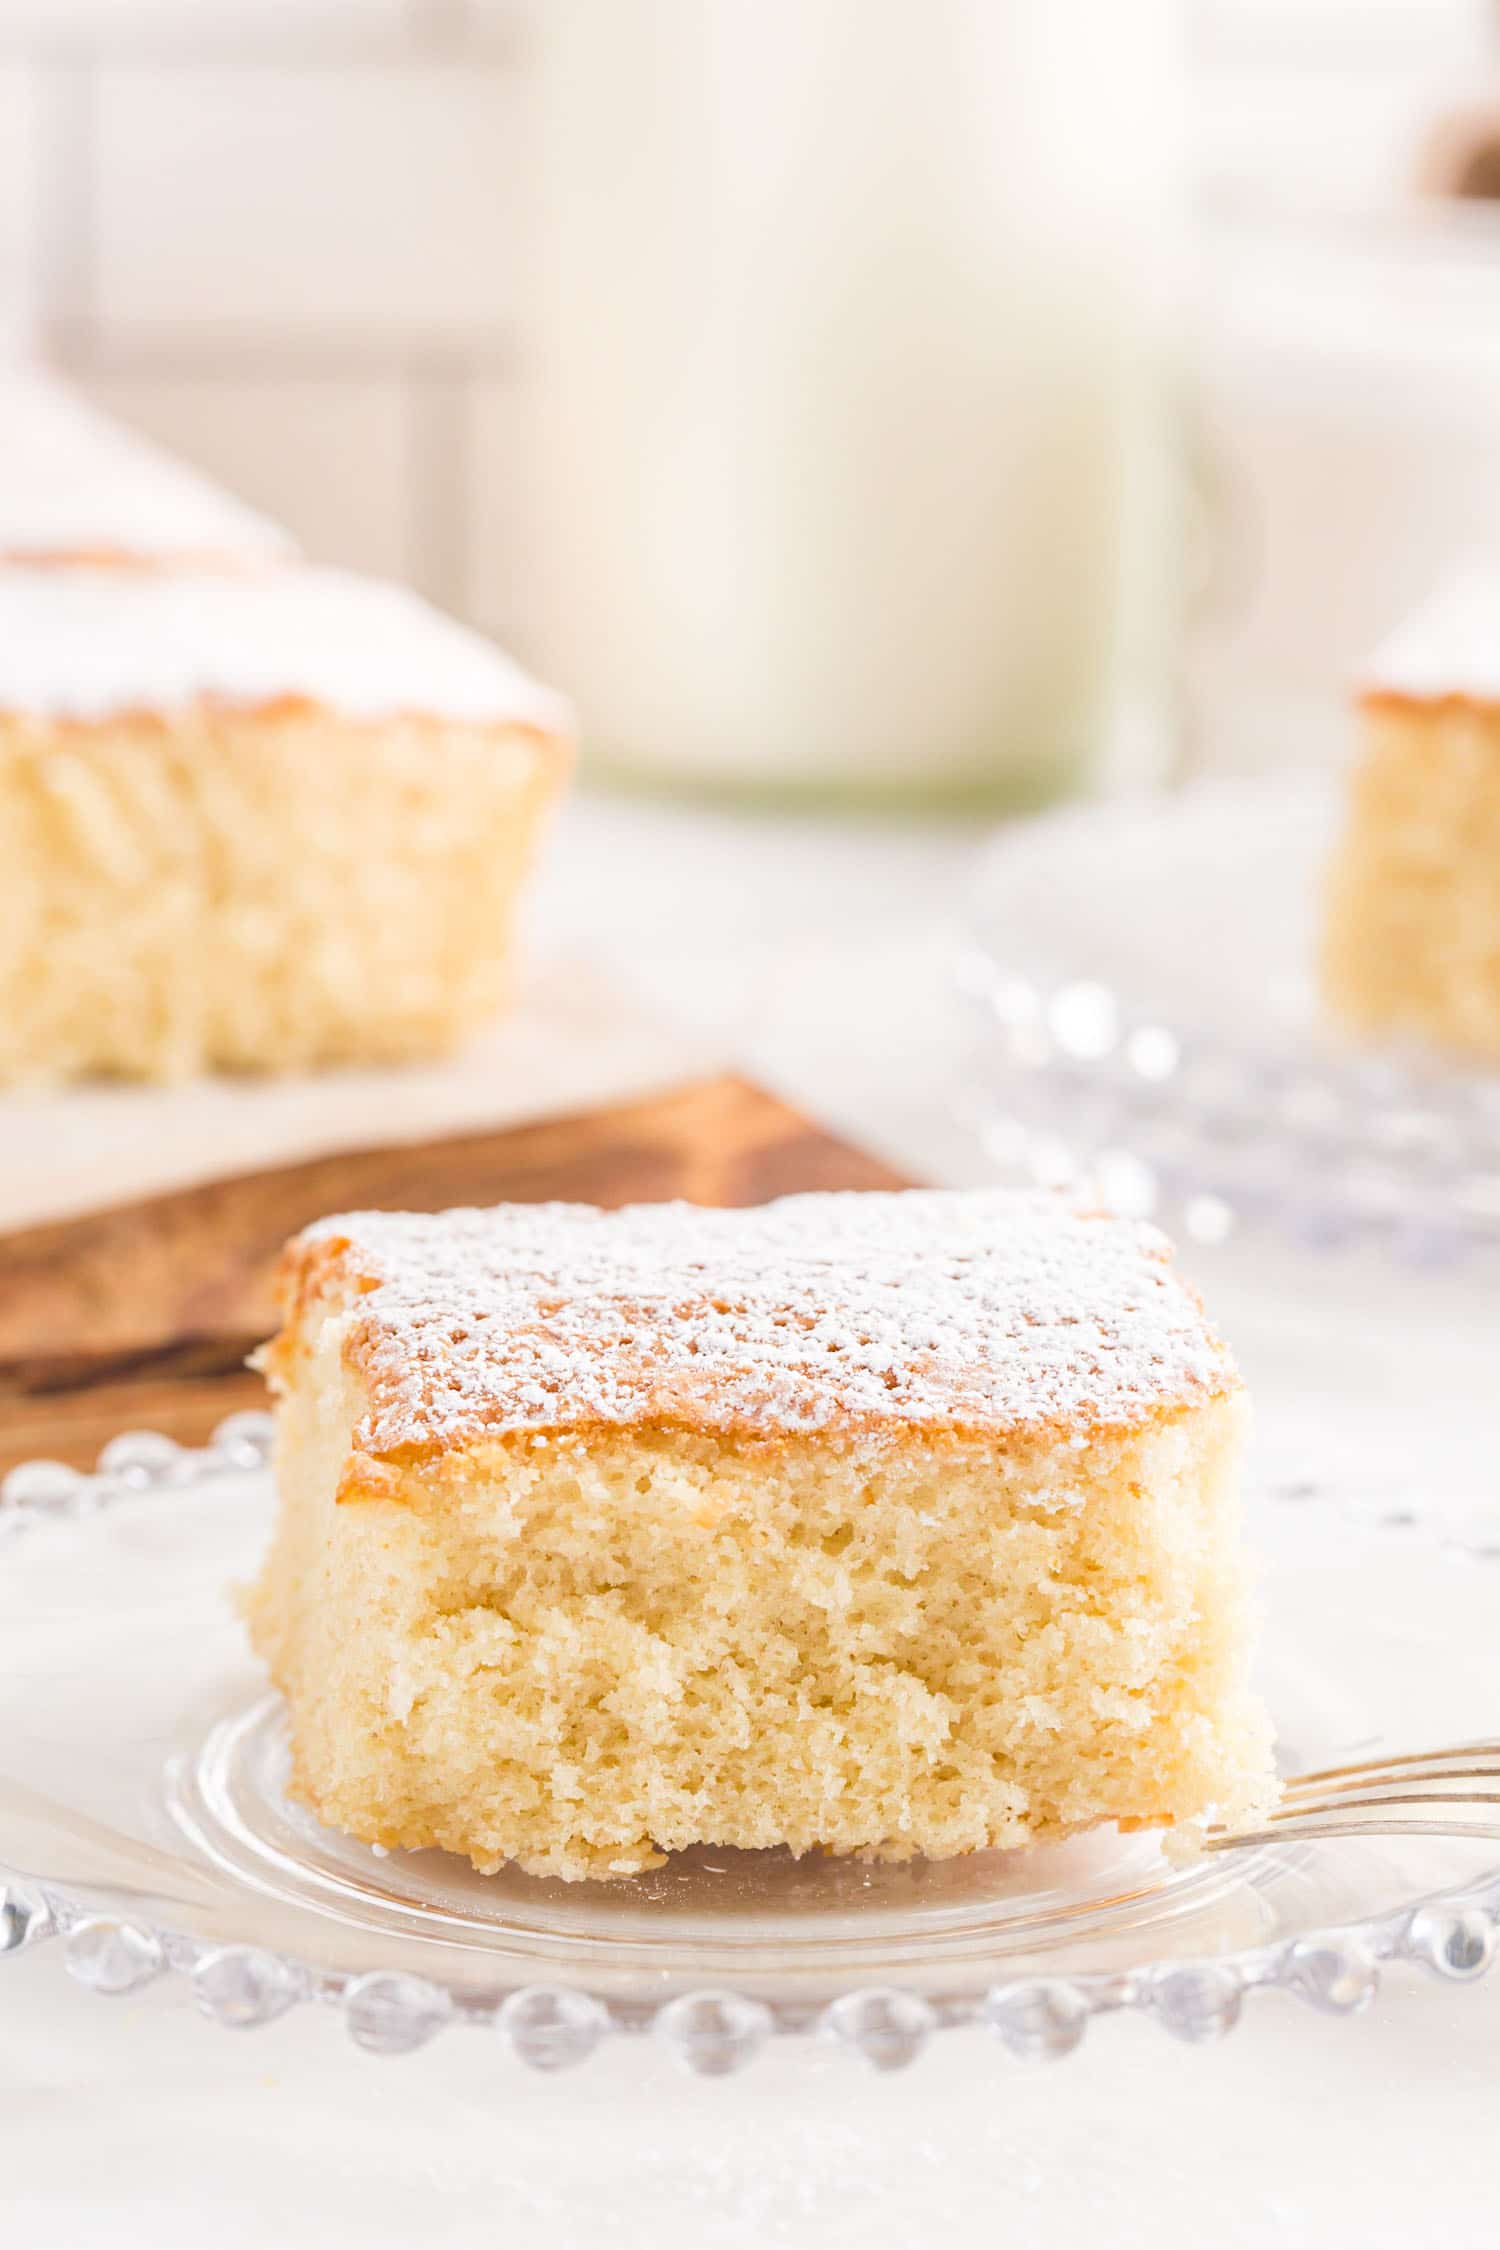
1450, 646
990, 1310
89, 644
73, 483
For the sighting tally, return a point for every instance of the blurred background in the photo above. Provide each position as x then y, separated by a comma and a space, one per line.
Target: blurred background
928, 406
809, 390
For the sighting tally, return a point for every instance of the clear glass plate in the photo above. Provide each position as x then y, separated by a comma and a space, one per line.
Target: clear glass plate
147, 1832
1149, 1029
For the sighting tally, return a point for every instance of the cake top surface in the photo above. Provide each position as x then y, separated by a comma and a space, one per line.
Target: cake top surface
92, 644
1450, 646
989, 1311
73, 483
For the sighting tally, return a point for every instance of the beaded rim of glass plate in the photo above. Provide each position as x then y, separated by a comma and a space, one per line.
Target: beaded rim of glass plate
1455, 1934
1079, 1082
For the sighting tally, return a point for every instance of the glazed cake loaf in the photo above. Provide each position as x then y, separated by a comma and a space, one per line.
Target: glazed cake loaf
76, 488
254, 823
863, 1523
1412, 934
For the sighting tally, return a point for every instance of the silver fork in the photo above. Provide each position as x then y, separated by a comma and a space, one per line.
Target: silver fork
1452, 1792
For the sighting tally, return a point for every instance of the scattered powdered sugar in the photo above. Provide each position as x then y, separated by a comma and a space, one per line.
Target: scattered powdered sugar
989, 1310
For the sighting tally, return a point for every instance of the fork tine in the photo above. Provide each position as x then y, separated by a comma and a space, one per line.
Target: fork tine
1313, 1829
1310, 1790
1420, 1760
1340, 1804
1384, 1797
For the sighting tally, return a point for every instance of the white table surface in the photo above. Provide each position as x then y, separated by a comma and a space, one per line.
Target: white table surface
664, 943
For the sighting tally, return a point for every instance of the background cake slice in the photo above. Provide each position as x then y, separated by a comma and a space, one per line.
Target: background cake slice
1412, 938
883, 1524
254, 822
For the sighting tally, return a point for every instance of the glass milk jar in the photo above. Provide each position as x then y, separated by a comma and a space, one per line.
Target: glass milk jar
851, 469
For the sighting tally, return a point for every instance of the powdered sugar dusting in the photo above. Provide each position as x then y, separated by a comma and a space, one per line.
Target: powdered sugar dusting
72, 482
1451, 646
89, 644
990, 1310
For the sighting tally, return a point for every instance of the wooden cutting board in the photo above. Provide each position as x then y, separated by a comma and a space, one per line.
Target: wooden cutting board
140, 1317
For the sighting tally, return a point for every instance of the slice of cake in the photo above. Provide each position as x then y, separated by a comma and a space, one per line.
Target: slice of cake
254, 822
881, 1524
1412, 936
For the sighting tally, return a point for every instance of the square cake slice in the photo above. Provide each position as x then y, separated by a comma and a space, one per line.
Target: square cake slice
254, 822
885, 1524
1412, 933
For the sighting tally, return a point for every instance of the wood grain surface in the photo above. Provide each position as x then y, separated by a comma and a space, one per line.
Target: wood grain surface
140, 1317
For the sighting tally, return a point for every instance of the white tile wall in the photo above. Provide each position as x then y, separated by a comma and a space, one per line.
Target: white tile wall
128, 26
503, 582
1332, 105
508, 20
21, 230
330, 459
293, 238
286, 237
380, 201
1341, 31
1322, 141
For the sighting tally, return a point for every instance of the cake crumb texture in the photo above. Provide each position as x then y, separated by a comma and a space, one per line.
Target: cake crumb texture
754, 1606
1411, 941
256, 890
254, 821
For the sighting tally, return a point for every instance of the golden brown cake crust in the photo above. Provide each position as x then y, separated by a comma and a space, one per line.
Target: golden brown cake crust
20, 729
221, 561
1378, 699
992, 1315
